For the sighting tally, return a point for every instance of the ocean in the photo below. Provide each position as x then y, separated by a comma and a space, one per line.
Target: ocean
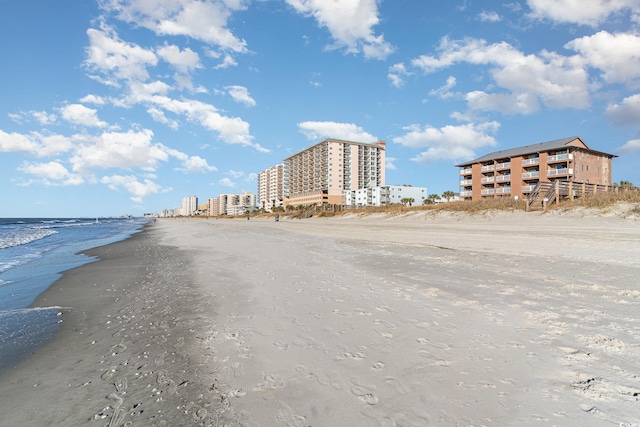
33, 254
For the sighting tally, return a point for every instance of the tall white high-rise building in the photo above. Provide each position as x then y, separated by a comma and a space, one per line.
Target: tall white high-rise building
271, 187
189, 205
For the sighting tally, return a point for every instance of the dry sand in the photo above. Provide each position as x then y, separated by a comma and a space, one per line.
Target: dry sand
501, 319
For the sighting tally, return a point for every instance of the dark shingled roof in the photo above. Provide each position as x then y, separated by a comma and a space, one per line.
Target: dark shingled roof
527, 149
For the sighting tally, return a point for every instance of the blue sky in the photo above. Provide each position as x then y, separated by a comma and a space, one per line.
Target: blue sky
117, 107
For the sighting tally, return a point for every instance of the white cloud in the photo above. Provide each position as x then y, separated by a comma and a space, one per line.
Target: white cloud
159, 116
586, 12
227, 62
241, 94
130, 183
350, 23
344, 131
93, 99
51, 173
116, 59
630, 146
489, 16
35, 143
616, 55
43, 117
554, 80
185, 61
625, 113
122, 150
196, 164
448, 142
397, 73
389, 163
443, 92
226, 182
204, 20
78, 114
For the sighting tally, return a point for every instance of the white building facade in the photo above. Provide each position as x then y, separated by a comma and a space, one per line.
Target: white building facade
189, 205
271, 188
385, 195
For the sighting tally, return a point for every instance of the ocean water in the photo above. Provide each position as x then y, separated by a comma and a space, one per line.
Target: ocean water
33, 254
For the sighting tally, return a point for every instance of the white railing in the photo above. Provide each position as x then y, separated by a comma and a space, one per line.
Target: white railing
503, 178
557, 172
465, 193
487, 191
506, 165
486, 179
487, 168
531, 161
534, 174
528, 188
563, 156
466, 182
465, 171
503, 190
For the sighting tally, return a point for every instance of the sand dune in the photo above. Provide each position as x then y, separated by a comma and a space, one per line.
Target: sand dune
505, 319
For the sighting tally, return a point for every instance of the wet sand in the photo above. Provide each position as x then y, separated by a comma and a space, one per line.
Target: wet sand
502, 319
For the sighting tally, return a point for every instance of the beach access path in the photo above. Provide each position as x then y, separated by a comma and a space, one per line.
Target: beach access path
447, 319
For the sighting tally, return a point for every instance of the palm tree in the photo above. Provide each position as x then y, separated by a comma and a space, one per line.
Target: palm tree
448, 195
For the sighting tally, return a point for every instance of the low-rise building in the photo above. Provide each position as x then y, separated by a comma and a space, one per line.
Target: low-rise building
385, 195
516, 172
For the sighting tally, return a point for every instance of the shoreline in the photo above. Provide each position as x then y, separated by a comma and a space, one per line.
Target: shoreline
361, 321
123, 350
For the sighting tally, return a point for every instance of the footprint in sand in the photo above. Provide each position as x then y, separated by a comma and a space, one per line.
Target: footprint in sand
368, 398
117, 418
378, 366
116, 401
121, 384
109, 373
162, 379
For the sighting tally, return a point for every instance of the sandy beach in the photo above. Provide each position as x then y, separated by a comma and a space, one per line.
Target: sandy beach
415, 320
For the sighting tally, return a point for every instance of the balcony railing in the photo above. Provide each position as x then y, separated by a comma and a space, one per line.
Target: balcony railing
531, 161
527, 188
558, 172
559, 157
465, 193
466, 182
487, 168
534, 174
466, 171
487, 179
506, 165
503, 190
503, 178
487, 191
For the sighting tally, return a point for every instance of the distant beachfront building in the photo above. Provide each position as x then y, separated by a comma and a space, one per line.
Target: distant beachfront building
213, 208
189, 205
320, 174
271, 188
385, 195
516, 172
232, 204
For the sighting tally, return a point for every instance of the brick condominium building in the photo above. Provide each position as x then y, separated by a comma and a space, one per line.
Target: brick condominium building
516, 171
319, 174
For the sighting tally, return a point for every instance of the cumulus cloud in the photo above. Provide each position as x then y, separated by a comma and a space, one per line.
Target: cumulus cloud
34, 143
625, 113
51, 173
44, 118
227, 182
443, 92
397, 74
130, 183
121, 150
489, 16
350, 23
116, 59
204, 20
344, 131
586, 12
630, 146
241, 94
196, 164
448, 142
616, 55
549, 78
184, 61
78, 114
